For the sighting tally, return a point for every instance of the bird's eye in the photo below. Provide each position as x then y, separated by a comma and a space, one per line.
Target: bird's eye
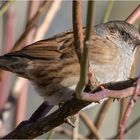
124, 34
111, 30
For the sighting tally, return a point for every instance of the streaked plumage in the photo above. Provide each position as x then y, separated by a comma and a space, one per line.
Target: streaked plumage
52, 65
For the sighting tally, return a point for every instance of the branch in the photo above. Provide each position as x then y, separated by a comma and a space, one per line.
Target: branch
77, 27
4, 6
130, 126
44, 7
47, 20
134, 16
32, 130
84, 60
129, 109
8, 39
108, 11
90, 125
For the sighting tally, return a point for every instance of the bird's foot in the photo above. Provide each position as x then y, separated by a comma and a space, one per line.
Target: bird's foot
70, 120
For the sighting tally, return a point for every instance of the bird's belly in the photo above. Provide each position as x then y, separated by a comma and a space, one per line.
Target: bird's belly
55, 94
60, 92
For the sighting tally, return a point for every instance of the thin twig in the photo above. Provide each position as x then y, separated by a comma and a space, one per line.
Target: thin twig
123, 104
108, 11
102, 113
134, 16
4, 6
129, 109
77, 27
84, 60
130, 126
88, 122
76, 128
43, 8
48, 19
8, 38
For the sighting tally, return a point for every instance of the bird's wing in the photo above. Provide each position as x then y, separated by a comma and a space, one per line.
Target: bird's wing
61, 46
52, 48
103, 51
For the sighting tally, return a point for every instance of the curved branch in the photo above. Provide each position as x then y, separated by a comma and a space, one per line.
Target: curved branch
32, 130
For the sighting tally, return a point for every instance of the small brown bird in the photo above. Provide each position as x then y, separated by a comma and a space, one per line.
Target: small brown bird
52, 65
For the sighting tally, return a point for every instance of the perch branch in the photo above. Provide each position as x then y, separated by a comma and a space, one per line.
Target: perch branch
32, 130
45, 5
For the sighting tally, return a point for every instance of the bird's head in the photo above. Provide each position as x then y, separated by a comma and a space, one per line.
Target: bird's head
123, 34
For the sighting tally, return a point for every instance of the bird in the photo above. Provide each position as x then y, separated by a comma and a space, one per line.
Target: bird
53, 67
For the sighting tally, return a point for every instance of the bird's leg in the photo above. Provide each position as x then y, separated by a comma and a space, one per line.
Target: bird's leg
40, 113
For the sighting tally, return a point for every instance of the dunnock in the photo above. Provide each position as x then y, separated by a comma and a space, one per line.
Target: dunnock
52, 65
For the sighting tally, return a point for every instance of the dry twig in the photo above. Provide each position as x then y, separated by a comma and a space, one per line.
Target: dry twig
90, 125
129, 109
134, 16
84, 59
47, 20
78, 28
45, 5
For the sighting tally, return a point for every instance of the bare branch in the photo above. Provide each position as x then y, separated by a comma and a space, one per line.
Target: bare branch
84, 60
130, 126
77, 27
134, 16
48, 20
90, 125
108, 11
129, 109
45, 5
32, 130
